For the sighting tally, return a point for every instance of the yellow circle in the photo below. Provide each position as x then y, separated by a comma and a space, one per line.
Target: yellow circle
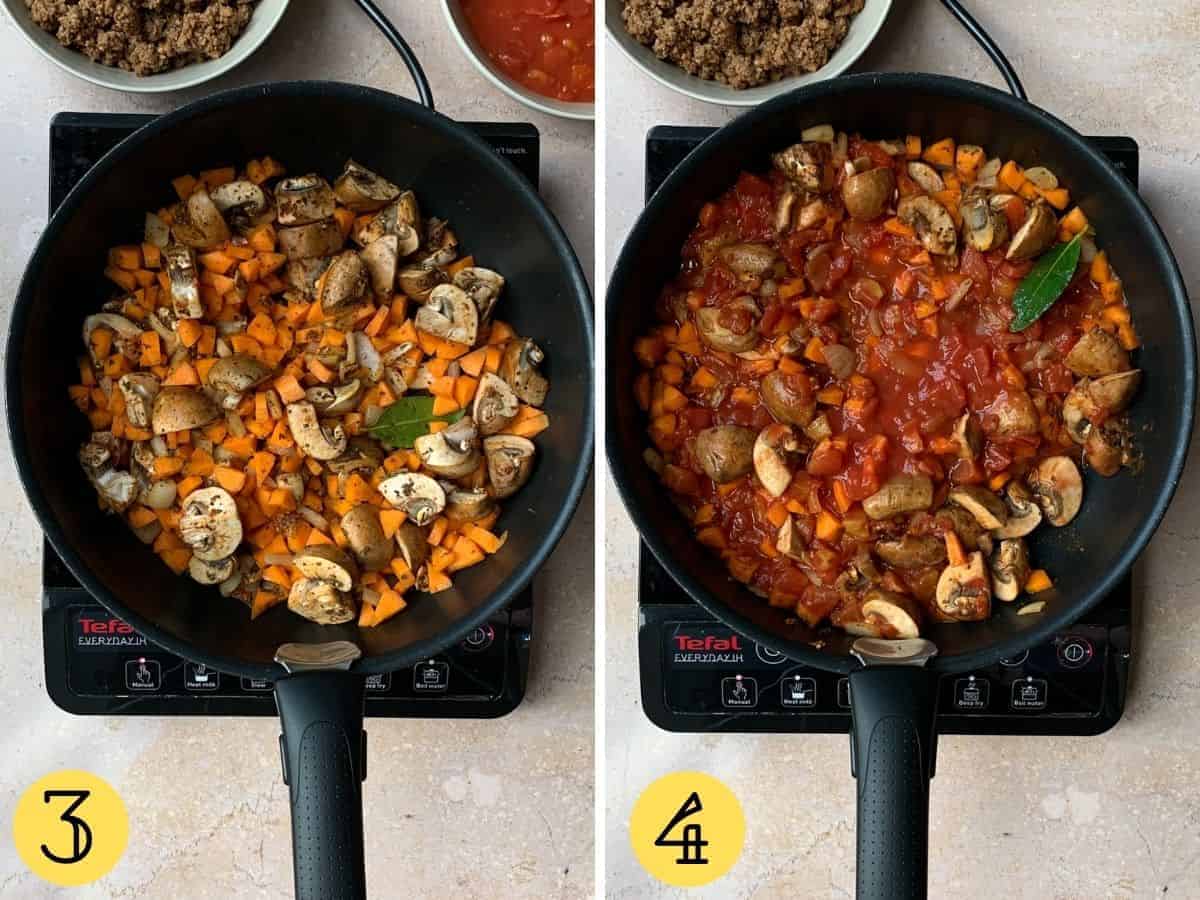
687, 829
70, 828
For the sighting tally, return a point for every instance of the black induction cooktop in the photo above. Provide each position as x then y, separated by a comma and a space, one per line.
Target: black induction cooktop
698, 675
96, 664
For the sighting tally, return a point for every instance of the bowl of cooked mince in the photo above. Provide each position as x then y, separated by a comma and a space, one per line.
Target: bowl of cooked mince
879, 372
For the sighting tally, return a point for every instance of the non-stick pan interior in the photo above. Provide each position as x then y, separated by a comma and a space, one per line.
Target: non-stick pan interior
308, 127
1119, 514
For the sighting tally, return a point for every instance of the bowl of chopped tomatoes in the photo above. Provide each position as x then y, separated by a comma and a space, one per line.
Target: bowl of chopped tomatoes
539, 52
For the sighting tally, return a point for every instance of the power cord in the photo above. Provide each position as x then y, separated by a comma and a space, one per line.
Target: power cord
984, 40
406, 54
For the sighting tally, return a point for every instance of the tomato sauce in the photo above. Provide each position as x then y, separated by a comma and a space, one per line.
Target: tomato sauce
546, 45
930, 343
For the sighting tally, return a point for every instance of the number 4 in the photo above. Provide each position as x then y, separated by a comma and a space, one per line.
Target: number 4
79, 828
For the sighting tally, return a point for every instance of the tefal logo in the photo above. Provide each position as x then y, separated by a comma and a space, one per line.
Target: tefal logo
708, 642
104, 626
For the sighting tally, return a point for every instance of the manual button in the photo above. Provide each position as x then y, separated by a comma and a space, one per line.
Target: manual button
143, 674
1029, 694
739, 692
971, 693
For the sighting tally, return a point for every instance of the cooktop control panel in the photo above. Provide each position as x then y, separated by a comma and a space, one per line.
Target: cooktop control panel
700, 675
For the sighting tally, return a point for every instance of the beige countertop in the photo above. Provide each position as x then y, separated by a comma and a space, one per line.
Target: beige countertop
1069, 819
473, 809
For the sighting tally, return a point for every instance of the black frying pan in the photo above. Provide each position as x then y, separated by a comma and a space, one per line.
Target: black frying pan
894, 704
310, 126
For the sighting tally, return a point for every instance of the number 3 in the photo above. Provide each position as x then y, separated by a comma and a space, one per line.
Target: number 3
78, 827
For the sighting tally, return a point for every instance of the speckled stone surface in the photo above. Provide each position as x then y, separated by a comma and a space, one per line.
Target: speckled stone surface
466, 809
1069, 819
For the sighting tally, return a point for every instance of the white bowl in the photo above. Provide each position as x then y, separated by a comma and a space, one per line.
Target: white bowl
267, 14
461, 29
863, 29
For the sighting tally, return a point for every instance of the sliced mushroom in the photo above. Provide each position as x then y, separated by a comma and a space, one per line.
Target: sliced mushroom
363, 190
1035, 235
749, 258
483, 286
344, 283
362, 453
969, 436
418, 495
770, 455
1092, 402
788, 540
441, 245
450, 455
210, 571
413, 543
1042, 177
184, 281
509, 462
984, 227
292, 482
911, 551
726, 452
237, 373
743, 313
988, 509
900, 494
1012, 414
243, 204
893, 615
100, 452
156, 231
840, 359
417, 281
450, 314
181, 408
400, 217
926, 177
812, 214
809, 165
1010, 569
469, 505
117, 489
519, 369
302, 275
933, 224
1024, 514
338, 399
321, 602
311, 436
988, 172
310, 241
325, 562
784, 209
198, 222
365, 356
867, 194
381, 259
1097, 353
371, 547
495, 404
964, 590
1059, 489
789, 397
139, 390
209, 524
304, 199
1103, 451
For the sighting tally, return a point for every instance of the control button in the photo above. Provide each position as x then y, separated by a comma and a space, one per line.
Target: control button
479, 639
1029, 694
798, 692
379, 683
844, 693
1075, 652
971, 693
739, 692
258, 685
769, 656
143, 674
199, 677
1012, 662
431, 677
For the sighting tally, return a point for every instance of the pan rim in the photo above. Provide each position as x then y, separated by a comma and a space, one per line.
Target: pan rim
521, 575
1004, 104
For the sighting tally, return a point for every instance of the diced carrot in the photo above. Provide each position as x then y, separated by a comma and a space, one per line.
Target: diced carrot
366, 616
391, 520
968, 159
529, 427
940, 154
189, 331
243, 343
127, 256
896, 227
357, 489
316, 537
262, 238
1059, 198
151, 256
250, 269
1038, 581
438, 581
438, 529
829, 527
262, 329
121, 278
216, 177
151, 349
269, 263
217, 261
459, 264
390, 603
489, 542
263, 601
1100, 271
464, 389
199, 463
140, 516
466, 554
442, 386
443, 406
229, 478
176, 559
474, 361
189, 484
912, 146
183, 374
345, 219
184, 186
1012, 176
1074, 221
289, 388
166, 466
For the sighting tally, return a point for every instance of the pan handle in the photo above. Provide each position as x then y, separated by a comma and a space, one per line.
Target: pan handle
324, 765
893, 745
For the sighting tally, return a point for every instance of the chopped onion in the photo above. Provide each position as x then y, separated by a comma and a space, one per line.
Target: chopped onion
312, 517
360, 347
149, 532
370, 596
1031, 609
231, 326
230, 584
160, 494
1087, 249
159, 445
372, 414
236, 426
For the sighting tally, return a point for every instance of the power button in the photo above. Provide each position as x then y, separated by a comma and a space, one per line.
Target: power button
1075, 652
480, 638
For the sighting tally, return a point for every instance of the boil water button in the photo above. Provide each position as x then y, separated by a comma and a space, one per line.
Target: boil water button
431, 677
1029, 694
